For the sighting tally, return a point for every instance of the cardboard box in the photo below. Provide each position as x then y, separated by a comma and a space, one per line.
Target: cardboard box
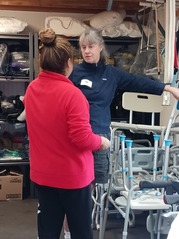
11, 185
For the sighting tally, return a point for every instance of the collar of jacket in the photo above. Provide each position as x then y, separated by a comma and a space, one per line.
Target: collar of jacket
93, 66
49, 75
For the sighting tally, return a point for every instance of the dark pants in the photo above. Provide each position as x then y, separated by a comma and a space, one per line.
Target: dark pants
55, 203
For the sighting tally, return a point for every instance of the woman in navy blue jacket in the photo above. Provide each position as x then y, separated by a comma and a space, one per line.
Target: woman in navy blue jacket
99, 83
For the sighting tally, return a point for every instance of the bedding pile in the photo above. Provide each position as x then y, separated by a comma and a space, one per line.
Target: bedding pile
109, 23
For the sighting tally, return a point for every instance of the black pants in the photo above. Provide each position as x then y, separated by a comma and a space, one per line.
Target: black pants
54, 203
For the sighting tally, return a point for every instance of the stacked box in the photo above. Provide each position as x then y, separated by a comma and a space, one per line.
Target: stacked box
11, 186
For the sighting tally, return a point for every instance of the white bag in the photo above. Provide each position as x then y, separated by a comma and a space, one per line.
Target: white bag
10, 25
66, 26
106, 19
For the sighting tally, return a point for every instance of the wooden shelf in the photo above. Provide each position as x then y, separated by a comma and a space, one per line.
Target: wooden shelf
70, 6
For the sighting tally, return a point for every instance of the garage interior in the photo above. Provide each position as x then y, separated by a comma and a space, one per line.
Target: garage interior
18, 217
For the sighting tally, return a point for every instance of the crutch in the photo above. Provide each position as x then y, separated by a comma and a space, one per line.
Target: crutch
156, 141
165, 178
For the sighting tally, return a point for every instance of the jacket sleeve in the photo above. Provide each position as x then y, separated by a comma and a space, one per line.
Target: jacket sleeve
132, 82
78, 121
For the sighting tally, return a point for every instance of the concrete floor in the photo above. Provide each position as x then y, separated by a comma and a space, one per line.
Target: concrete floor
18, 221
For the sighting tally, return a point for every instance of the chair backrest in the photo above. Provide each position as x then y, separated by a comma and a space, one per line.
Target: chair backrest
141, 102
142, 157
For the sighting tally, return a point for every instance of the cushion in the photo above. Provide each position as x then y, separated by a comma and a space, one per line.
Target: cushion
126, 28
10, 25
66, 26
107, 19
131, 29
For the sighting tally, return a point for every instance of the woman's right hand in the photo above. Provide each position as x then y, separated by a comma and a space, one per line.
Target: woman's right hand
105, 144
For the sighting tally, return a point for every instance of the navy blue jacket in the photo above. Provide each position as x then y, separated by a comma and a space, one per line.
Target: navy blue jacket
99, 82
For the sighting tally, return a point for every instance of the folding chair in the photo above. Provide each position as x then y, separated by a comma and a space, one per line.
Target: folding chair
121, 178
144, 103
171, 197
131, 198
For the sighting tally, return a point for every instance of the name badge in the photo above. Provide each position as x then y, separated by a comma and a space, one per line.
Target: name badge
86, 82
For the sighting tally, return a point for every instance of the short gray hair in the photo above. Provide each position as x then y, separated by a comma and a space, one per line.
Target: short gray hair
93, 36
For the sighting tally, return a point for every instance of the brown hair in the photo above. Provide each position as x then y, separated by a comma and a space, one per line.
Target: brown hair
54, 51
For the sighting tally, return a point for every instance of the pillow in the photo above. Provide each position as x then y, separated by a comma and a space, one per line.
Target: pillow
66, 26
111, 32
107, 19
131, 29
11, 25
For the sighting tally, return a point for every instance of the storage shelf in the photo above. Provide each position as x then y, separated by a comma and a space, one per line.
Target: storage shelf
112, 40
15, 36
14, 83
15, 79
14, 162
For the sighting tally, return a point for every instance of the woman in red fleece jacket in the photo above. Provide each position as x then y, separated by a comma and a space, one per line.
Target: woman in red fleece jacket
61, 143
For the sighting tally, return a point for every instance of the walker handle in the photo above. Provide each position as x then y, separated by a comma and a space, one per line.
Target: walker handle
154, 184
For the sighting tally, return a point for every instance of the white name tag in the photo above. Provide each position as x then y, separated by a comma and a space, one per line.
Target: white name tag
86, 82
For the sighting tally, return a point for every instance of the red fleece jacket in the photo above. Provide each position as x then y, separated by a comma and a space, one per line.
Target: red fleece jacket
60, 135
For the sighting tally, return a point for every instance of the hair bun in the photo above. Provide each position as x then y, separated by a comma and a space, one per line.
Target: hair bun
47, 37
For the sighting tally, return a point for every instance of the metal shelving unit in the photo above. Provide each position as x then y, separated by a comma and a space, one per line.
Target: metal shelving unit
16, 85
